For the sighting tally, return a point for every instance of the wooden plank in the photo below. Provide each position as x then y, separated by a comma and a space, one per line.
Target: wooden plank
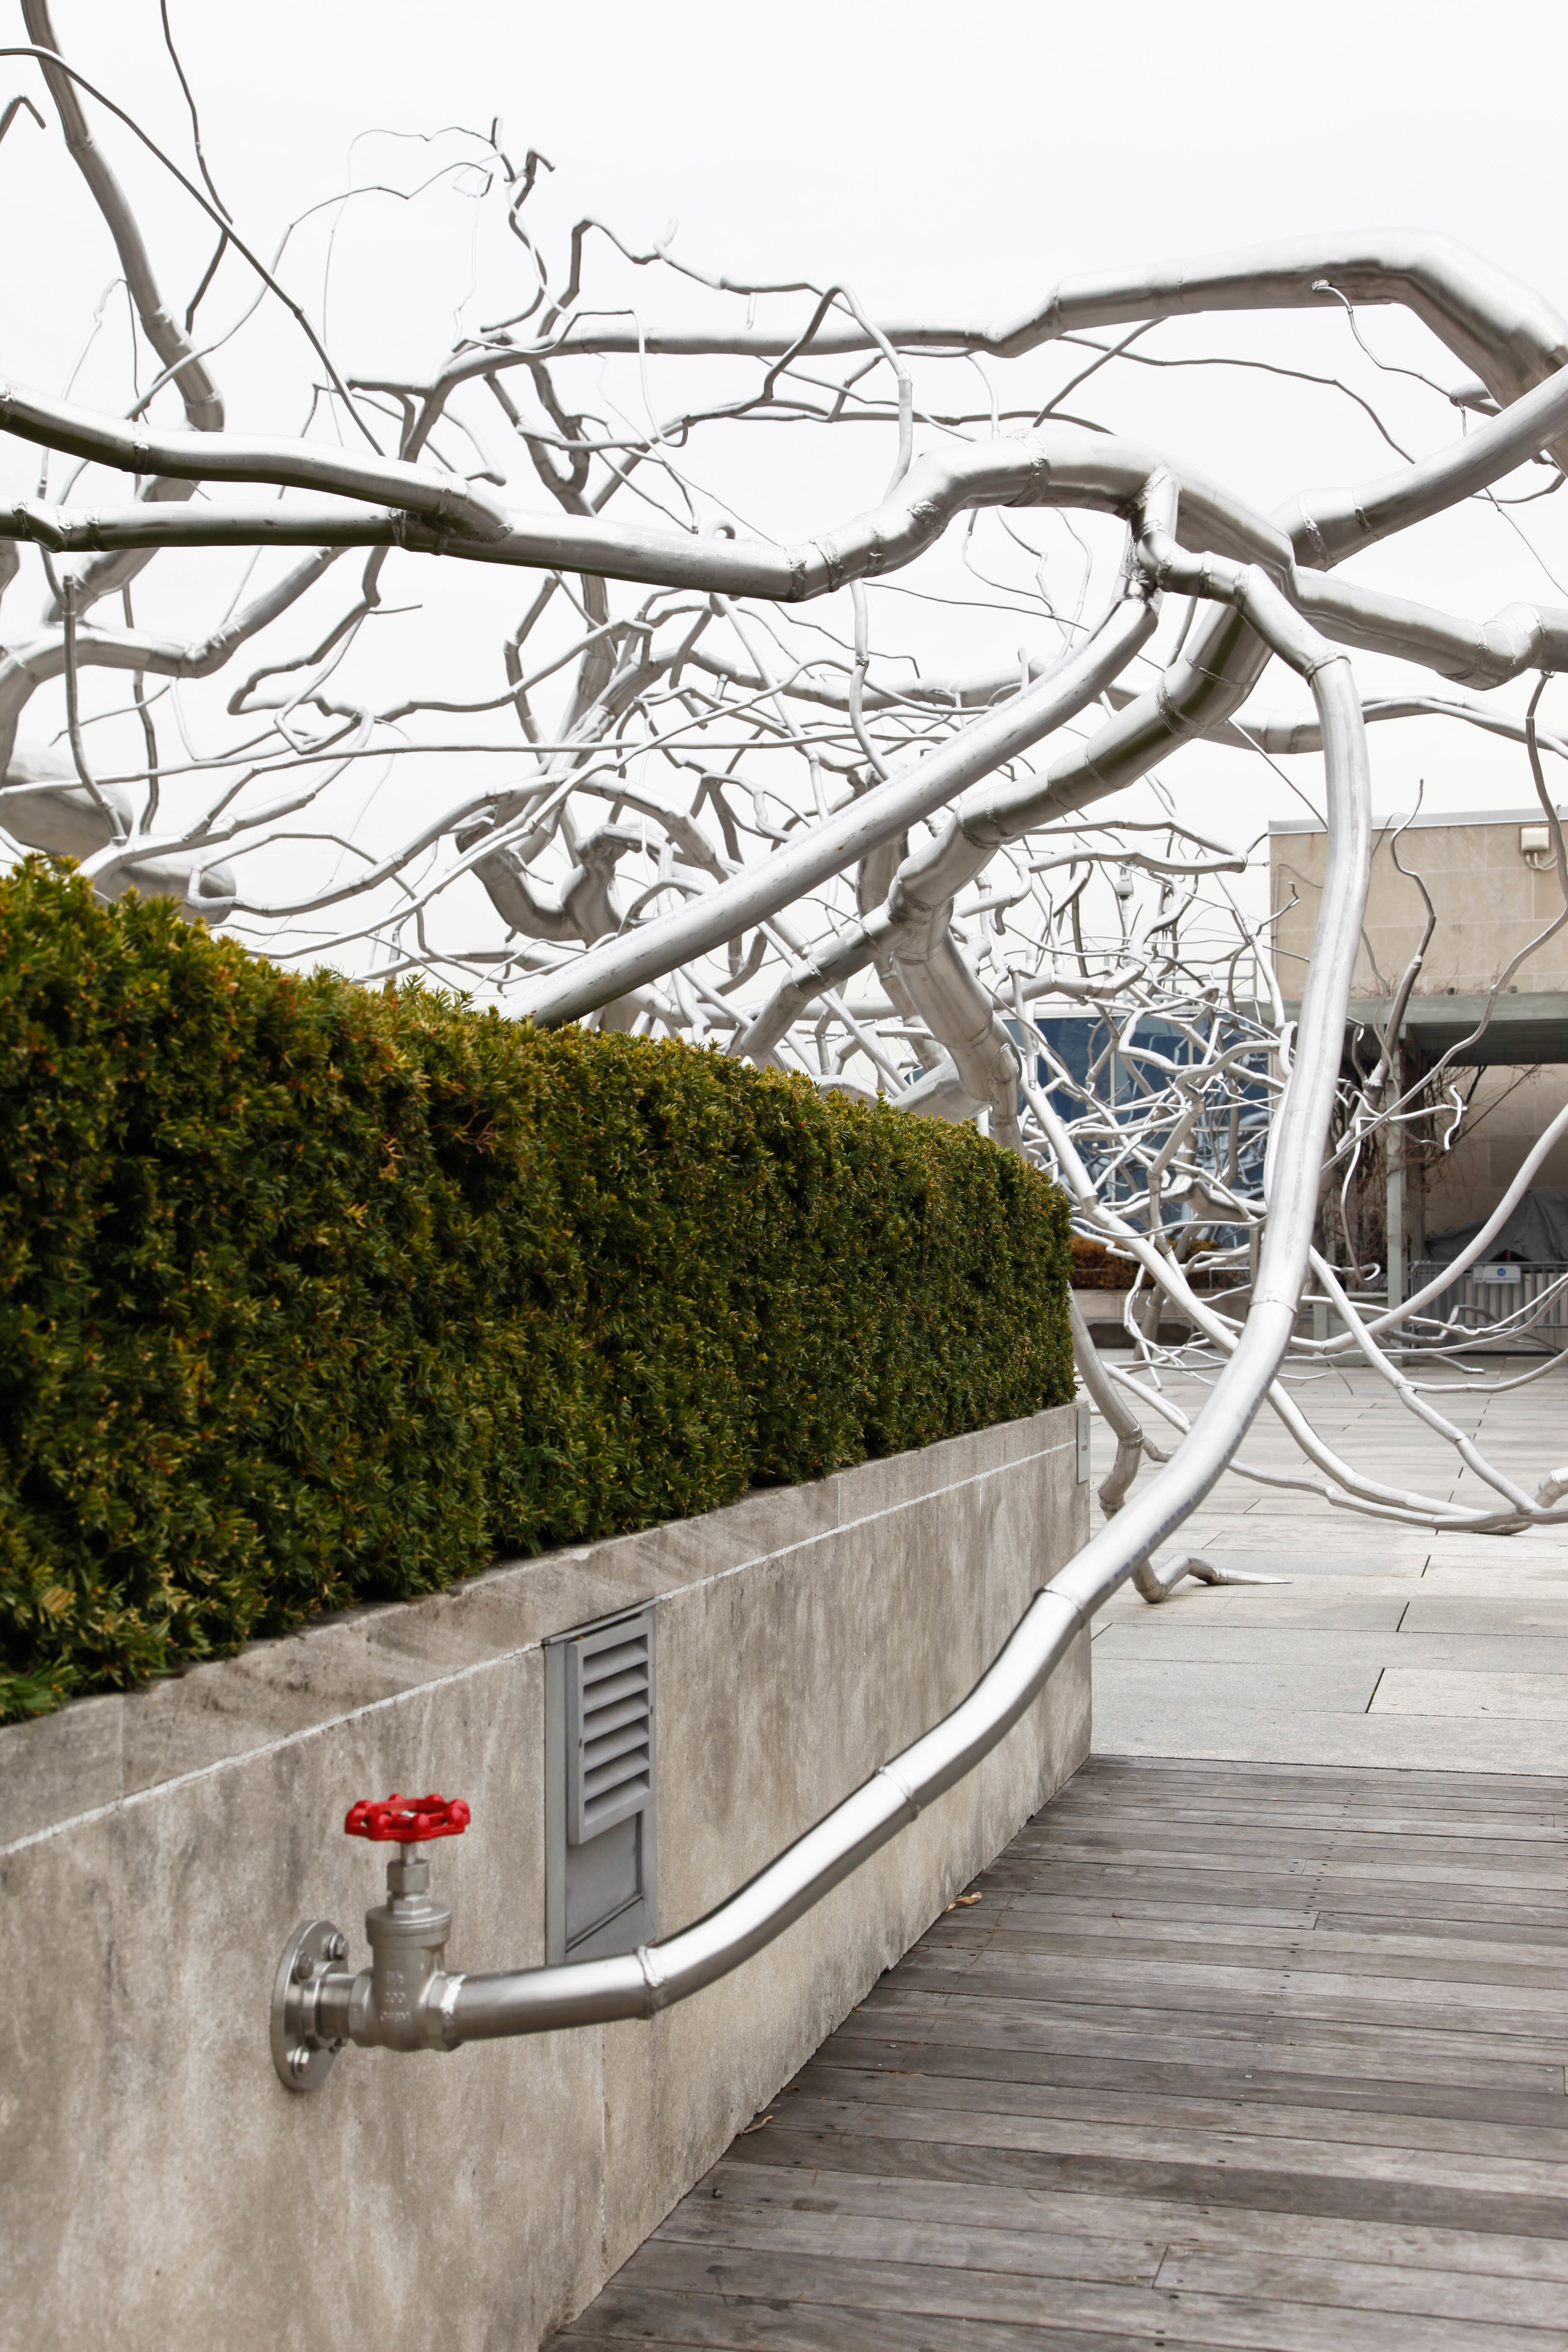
1186, 1878
1296, 1814
1176, 1784
1256, 1991
1477, 1861
1250, 1789
1535, 1828
1067, 2051
1484, 1929
1354, 1785
1053, 1877
847, 2062
1231, 1786
712, 2323
794, 2284
1388, 2126
1033, 2253
1110, 1779
1135, 1904
1405, 2197
1257, 2027
1368, 2286
1430, 1960
1091, 1914
1351, 1932
1225, 2141
748, 2187
1115, 1978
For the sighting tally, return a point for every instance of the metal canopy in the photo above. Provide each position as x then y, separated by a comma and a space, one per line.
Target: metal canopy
1529, 1027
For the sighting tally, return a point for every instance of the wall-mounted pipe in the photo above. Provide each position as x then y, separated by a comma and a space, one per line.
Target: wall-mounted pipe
318, 2006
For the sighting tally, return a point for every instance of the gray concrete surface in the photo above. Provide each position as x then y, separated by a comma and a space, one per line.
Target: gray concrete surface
159, 2189
1390, 1645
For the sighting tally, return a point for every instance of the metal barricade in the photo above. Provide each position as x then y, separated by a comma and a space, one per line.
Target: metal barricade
1505, 1306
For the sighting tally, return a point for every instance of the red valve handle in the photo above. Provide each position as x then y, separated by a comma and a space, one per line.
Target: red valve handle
406, 1820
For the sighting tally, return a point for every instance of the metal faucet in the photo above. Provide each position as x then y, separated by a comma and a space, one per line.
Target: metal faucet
318, 2005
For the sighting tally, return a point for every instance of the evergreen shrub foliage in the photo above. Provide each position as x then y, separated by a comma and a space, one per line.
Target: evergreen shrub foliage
1095, 1268
310, 1296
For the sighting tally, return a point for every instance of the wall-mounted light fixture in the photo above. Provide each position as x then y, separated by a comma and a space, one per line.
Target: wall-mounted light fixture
1535, 847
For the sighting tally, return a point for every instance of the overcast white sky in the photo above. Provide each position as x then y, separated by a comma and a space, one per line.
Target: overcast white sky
942, 161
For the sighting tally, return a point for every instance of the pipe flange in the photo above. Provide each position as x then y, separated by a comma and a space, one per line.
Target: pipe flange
302, 2056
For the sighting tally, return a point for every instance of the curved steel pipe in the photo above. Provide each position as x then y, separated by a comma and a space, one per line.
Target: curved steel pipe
217, 457
1116, 1413
534, 2000
912, 791
1491, 321
1325, 526
196, 389
1059, 465
1286, 732
454, 2007
1472, 653
188, 372
1156, 1584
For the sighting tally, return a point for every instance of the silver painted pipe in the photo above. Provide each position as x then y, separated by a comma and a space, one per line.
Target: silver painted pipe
1209, 679
809, 976
1157, 1584
1492, 321
1116, 1413
168, 339
44, 806
1385, 1500
959, 1015
26, 667
1205, 686
1060, 465
1514, 340
457, 2008
215, 457
1325, 526
1223, 660
1472, 653
534, 2000
914, 921
1201, 691
912, 790
190, 375
1474, 309
1284, 731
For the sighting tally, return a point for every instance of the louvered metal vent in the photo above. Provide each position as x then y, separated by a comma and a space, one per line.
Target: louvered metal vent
609, 1728
600, 1829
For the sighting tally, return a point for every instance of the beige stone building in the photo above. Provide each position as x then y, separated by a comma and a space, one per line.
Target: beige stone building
1493, 889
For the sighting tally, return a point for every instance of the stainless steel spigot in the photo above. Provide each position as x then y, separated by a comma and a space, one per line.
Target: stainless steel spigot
317, 2005
408, 1945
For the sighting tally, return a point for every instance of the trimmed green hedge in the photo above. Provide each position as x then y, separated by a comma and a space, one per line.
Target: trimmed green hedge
1094, 1267
311, 1295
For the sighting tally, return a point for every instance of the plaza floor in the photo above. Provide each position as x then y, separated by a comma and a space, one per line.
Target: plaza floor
1390, 1645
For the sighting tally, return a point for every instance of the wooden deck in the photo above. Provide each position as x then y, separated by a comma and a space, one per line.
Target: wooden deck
1225, 2054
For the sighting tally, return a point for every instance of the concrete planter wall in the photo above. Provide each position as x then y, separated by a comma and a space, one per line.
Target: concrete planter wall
161, 2190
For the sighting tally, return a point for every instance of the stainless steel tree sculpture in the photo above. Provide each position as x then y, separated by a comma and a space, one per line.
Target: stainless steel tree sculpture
510, 688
